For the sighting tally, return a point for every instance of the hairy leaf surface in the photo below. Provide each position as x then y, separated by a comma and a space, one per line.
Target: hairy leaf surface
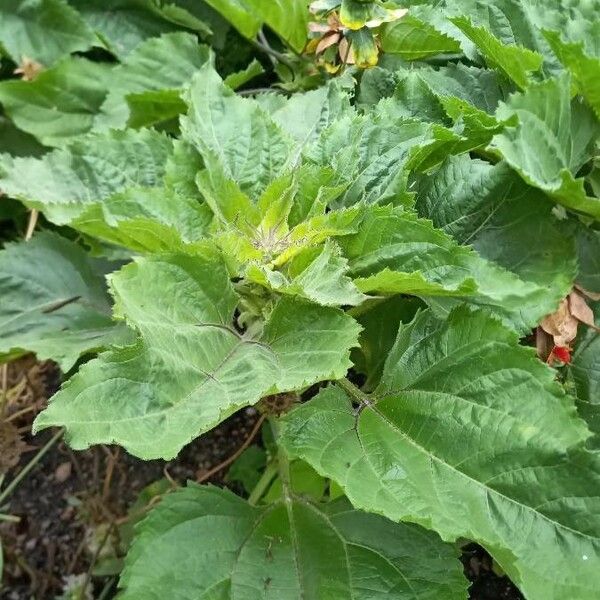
468, 434
190, 367
65, 182
60, 103
42, 30
552, 140
395, 252
54, 302
289, 549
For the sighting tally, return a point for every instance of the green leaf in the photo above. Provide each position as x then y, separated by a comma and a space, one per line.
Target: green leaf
305, 116
66, 182
246, 469
584, 373
553, 139
124, 24
380, 320
157, 65
287, 18
17, 142
519, 482
157, 108
395, 252
481, 88
240, 78
287, 550
585, 69
304, 481
318, 276
369, 155
59, 103
234, 134
355, 13
54, 302
238, 13
505, 221
190, 368
514, 61
147, 219
42, 30
588, 258
412, 39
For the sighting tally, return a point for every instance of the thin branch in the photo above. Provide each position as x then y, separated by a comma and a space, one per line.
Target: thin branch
88, 575
263, 40
29, 466
236, 454
33, 219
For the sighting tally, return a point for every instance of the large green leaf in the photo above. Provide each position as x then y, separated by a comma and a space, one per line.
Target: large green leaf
305, 116
505, 221
238, 13
514, 61
123, 24
54, 303
190, 367
158, 64
66, 182
42, 30
412, 38
395, 252
584, 68
287, 550
553, 139
147, 219
59, 103
235, 136
373, 154
468, 434
287, 18
482, 88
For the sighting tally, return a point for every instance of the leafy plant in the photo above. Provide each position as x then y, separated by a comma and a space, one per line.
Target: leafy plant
367, 262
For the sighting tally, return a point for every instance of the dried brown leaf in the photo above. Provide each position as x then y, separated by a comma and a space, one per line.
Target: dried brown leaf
561, 325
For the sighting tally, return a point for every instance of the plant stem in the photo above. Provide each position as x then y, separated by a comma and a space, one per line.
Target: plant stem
273, 53
107, 588
354, 392
263, 483
283, 462
29, 466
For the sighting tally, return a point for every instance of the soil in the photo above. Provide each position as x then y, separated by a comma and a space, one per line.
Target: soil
72, 508
486, 583
66, 503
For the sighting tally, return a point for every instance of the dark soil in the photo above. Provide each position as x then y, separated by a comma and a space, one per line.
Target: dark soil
73, 506
69, 499
486, 584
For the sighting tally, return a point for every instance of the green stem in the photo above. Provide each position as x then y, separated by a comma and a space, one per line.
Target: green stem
107, 588
263, 483
273, 53
283, 462
29, 466
354, 392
